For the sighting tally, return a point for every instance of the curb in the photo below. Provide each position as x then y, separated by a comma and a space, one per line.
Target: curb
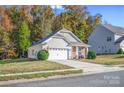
2, 83
38, 79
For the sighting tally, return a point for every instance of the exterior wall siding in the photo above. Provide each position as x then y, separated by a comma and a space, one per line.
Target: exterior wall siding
53, 43
122, 45
99, 43
57, 43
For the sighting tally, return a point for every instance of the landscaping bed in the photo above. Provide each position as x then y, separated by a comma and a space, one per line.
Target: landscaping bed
115, 59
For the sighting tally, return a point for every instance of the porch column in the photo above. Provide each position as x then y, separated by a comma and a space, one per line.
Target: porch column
77, 52
86, 51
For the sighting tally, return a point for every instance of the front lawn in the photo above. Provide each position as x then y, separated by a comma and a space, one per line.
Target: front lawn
15, 66
115, 59
30, 66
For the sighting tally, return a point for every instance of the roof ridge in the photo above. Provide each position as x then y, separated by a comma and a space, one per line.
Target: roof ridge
114, 29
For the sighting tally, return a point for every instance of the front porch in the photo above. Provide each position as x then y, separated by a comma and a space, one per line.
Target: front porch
79, 52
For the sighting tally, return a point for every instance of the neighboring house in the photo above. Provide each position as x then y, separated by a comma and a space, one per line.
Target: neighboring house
107, 39
62, 44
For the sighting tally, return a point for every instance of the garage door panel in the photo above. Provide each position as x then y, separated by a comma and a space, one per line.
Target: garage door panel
58, 54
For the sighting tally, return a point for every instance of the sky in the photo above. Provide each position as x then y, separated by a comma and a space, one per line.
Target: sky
112, 14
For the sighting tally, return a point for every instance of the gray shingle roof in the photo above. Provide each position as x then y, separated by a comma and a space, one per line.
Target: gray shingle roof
57, 35
119, 40
42, 40
115, 29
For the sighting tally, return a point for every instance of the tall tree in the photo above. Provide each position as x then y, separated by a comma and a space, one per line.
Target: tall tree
42, 22
48, 16
23, 38
5, 20
4, 39
36, 26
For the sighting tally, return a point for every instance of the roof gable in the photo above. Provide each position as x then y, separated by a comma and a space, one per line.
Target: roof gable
58, 34
115, 29
69, 35
57, 43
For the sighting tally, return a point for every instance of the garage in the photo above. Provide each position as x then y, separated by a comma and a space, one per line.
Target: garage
58, 53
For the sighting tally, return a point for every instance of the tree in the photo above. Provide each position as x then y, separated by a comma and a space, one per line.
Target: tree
48, 16
78, 20
23, 38
5, 43
4, 39
42, 22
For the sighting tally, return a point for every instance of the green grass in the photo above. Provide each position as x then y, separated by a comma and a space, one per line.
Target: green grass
115, 59
5, 78
30, 66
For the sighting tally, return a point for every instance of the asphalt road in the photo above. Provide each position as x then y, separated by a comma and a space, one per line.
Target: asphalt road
110, 79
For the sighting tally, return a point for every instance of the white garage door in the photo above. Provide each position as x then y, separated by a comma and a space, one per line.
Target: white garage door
58, 53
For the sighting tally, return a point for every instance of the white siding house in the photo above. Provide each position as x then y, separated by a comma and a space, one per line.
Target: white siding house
106, 39
62, 44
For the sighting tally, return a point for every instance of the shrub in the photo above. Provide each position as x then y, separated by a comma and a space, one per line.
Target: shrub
91, 55
120, 51
43, 55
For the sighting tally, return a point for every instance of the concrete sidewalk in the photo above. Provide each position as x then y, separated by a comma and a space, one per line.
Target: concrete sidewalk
37, 72
89, 68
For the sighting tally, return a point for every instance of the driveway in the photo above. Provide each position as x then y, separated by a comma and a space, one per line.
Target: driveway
89, 68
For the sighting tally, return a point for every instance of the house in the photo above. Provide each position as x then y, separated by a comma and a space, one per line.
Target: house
107, 39
62, 44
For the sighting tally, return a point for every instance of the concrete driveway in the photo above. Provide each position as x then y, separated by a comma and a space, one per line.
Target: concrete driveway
89, 68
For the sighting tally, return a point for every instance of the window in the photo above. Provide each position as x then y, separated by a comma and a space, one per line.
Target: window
99, 48
109, 39
106, 51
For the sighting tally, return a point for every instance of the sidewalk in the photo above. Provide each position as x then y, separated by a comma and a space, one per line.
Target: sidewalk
37, 72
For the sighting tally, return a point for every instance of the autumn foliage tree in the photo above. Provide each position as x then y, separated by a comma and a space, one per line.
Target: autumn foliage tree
78, 20
20, 26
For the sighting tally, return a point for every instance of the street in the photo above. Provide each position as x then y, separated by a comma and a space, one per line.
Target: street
109, 79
